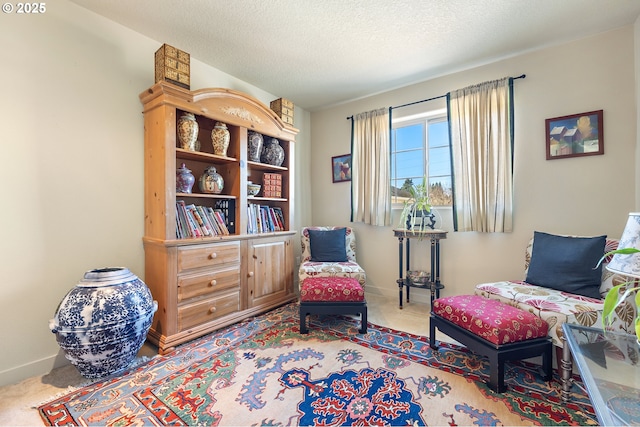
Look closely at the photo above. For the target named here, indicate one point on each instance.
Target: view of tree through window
(419, 150)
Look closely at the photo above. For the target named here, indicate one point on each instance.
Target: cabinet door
(270, 262)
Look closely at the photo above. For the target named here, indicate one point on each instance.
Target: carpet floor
(263, 372)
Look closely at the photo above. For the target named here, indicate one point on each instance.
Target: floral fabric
(557, 307)
(331, 289)
(350, 268)
(492, 320)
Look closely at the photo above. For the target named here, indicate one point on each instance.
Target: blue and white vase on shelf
(102, 322)
(254, 145)
(184, 179)
(272, 153)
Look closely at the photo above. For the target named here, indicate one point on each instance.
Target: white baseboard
(32, 369)
(422, 296)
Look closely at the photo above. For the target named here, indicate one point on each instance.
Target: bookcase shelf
(205, 196)
(257, 269)
(266, 199)
(181, 153)
(265, 167)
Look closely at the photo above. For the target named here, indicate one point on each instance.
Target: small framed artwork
(575, 135)
(341, 168)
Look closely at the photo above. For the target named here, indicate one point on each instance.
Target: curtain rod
(431, 99)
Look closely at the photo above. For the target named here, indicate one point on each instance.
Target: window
(419, 149)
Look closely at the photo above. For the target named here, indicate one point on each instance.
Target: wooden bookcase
(203, 284)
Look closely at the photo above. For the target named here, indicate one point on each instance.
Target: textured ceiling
(322, 52)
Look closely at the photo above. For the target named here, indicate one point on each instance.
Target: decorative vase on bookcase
(102, 322)
(188, 131)
(254, 145)
(220, 138)
(272, 153)
(184, 179)
(211, 181)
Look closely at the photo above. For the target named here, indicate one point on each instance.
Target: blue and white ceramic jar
(102, 322)
(254, 145)
(184, 179)
(272, 153)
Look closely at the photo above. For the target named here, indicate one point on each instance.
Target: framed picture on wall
(341, 168)
(575, 135)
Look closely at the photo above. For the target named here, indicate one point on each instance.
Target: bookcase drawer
(208, 282)
(206, 310)
(208, 255)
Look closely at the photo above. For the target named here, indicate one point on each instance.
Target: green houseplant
(416, 213)
(615, 297)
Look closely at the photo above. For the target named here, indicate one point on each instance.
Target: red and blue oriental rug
(262, 372)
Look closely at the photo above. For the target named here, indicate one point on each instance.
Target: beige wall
(72, 151)
(586, 196)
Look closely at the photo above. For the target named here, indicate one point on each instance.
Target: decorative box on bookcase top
(272, 185)
(284, 109)
(173, 65)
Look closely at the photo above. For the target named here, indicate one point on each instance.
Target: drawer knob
(251, 274)
(213, 255)
(213, 282)
(212, 310)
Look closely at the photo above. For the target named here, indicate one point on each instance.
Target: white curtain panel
(480, 119)
(370, 178)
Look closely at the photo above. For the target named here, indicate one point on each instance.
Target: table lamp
(628, 264)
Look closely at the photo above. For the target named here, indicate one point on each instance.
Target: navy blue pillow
(328, 245)
(567, 263)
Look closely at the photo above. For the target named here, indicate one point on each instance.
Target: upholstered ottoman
(492, 329)
(332, 295)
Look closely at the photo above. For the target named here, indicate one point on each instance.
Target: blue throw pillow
(328, 245)
(567, 263)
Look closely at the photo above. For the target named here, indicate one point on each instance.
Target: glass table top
(609, 364)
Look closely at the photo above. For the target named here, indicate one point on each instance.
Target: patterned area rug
(262, 372)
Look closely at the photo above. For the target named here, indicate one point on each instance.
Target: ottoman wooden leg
(303, 320)
(496, 374)
(432, 333)
(547, 363)
(363, 320)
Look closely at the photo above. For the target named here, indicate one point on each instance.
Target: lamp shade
(628, 264)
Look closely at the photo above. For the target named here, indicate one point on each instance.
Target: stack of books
(264, 219)
(194, 221)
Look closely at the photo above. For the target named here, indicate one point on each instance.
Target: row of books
(199, 221)
(264, 219)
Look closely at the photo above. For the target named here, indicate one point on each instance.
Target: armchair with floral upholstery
(349, 268)
(559, 305)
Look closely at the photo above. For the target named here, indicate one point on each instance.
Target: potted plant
(416, 213)
(615, 298)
